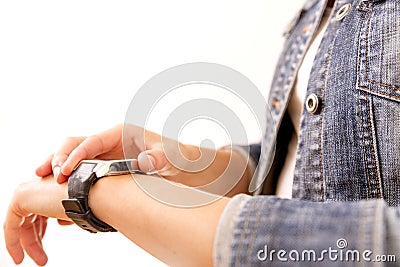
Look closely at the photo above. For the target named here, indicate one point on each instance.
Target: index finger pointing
(62, 155)
(93, 146)
(88, 149)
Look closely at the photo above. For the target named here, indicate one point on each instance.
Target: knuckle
(56, 161)
(119, 125)
(93, 137)
(97, 141)
(69, 139)
(21, 196)
(21, 189)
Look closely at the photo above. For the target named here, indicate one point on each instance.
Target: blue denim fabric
(266, 223)
(348, 151)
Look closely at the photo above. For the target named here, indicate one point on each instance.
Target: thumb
(155, 160)
(151, 160)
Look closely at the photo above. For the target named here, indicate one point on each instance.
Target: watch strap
(77, 207)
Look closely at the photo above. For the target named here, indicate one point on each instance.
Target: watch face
(109, 167)
(86, 168)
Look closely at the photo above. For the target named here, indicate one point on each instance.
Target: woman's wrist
(220, 165)
(105, 197)
(163, 230)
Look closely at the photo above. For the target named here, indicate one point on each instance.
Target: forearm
(177, 236)
(228, 165)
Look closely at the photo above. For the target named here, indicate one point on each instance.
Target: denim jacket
(346, 189)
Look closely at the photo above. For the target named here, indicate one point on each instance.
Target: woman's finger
(62, 155)
(93, 146)
(31, 241)
(64, 222)
(45, 168)
(42, 226)
(12, 229)
(155, 160)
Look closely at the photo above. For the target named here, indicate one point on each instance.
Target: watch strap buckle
(85, 220)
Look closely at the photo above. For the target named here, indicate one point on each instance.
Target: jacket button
(343, 11)
(312, 103)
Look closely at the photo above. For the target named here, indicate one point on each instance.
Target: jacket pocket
(379, 50)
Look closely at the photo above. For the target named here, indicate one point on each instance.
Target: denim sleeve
(254, 152)
(268, 231)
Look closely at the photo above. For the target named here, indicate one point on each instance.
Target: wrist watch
(82, 178)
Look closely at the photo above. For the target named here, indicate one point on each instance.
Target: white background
(72, 68)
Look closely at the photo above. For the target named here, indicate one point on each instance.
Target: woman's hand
(181, 163)
(146, 146)
(132, 212)
(106, 145)
(33, 202)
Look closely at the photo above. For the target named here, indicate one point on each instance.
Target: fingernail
(152, 161)
(34, 217)
(56, 171)
(22, 221)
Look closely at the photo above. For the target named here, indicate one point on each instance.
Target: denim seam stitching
(328, 59)
(366, 55)
(359, 111)
(374, 169)
(364, 88)
(327, 62)
(377, 176)
(364, 154)
(242, 234)
(253, 235)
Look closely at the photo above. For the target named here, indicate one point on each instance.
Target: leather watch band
(77, 207)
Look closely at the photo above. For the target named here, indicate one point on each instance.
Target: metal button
(343, 11)
(312, 103)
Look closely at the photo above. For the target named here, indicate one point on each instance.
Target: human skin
(150, 149)
(165, 231)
